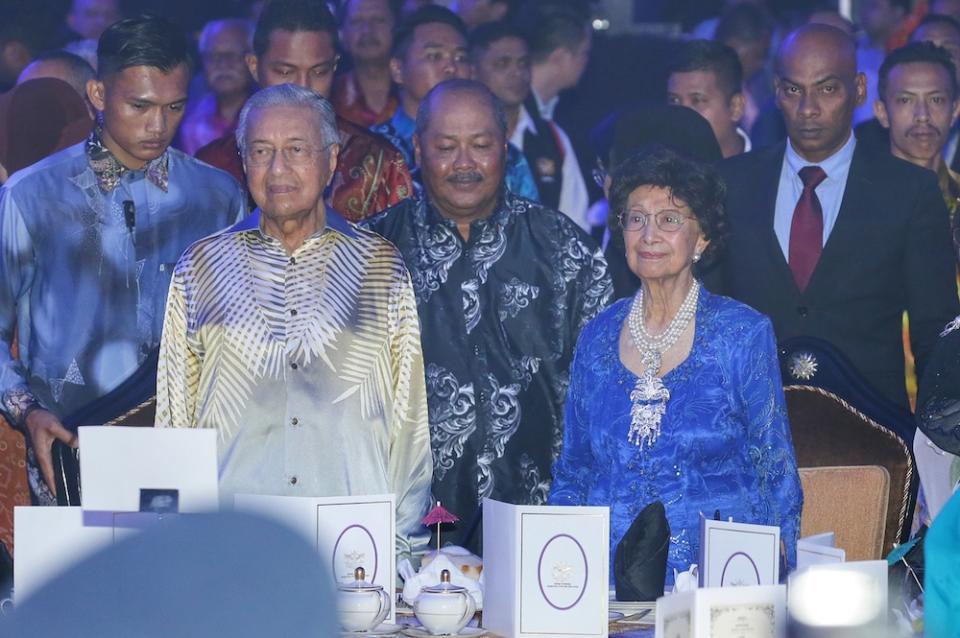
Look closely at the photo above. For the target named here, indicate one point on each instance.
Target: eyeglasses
(292, 154)
(669, 221)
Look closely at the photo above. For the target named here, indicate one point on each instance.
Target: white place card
(49, 540)
(348, 531)
(723, 612)
(819, 549)
(546, 570)
(840, 594)
(738, 554)
(121, 466)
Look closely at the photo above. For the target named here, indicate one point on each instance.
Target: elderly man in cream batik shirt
(295, 333)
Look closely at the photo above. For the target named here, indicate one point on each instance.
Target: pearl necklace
(649, 397)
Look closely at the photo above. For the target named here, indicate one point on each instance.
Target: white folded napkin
(430, 575)
(686, 581)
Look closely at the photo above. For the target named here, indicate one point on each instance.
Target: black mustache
(465, 178)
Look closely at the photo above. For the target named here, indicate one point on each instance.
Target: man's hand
(43, 428)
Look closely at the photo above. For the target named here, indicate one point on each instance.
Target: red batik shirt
(349, 102)
(370, 177)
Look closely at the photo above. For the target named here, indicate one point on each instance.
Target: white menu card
(723, 612)
(546, 570)
(348, 531)
(738, 554)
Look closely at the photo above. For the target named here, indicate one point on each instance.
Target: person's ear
(252, 64)
(396, 71)
(860, 89)
(606, 186)
(701, 247)
(956, 112)
(333, 154)
(737, 105)
(96, 93)
(880, 112)
(15, 55)
(558, 57)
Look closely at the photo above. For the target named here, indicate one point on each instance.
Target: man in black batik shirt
(503, 288)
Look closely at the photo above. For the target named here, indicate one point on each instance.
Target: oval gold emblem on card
(562, 572)
(354, 548)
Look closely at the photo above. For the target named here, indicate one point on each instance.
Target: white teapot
(446, 608)
(361, 606)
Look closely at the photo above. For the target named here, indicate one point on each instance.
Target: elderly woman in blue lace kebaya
(675, 394)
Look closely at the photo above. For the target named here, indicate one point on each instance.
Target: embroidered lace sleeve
(769, 442)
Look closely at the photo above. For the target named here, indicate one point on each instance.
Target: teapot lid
(358, 583)
(445, 586)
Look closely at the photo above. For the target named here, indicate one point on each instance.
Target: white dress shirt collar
(837, 163)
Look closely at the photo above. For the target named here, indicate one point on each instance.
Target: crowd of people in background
(475, 249)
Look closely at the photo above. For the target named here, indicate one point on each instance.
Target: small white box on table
(117, 465)
(546, 570)
(348, 531)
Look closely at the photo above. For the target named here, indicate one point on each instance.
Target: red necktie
(806, 229)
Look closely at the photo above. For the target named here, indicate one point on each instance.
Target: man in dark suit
(832, 241)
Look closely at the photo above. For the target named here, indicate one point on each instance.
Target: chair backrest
(850, 501)
(813, 361)
(827, 432)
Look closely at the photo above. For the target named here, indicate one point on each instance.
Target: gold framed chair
(851, 501)
(829, 432)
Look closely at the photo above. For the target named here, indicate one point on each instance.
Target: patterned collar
(334, 221)
(109, 170)
(507, 204)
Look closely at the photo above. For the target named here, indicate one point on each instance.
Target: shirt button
(293, 312)
(802, 311)
(476, 350)
(294, 365)
(293, 260)
(294, 421)
(293, 480)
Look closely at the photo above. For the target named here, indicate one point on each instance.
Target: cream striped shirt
(308, 364)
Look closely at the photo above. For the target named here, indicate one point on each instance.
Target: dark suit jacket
(889, 251)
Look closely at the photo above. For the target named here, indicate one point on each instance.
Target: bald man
(832, 241)
(503, 287)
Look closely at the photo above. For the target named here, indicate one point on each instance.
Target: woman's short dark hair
(147, 40)
(694, 183)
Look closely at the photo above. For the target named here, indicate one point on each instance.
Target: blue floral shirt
(724, 444)
(519, 178)
(87, 248)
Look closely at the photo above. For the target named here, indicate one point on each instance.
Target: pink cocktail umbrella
(436, 516)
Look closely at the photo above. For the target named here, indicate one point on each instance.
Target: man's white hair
(210, 29)
(290, 95)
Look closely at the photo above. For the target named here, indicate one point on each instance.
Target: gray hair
(289, 95)
(474, 87)
(211, 28)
